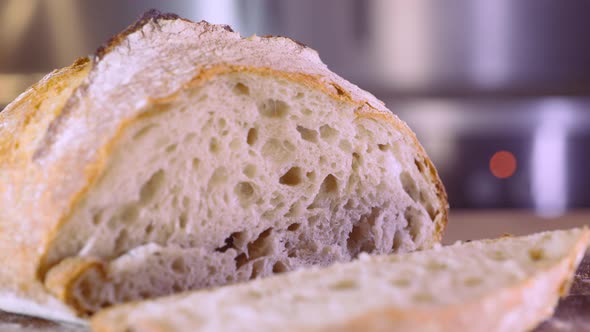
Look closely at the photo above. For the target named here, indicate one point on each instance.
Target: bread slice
(509, 284)
(183, 156)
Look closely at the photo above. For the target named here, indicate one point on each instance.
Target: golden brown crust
(29, 112)
(22, 124)
(60, 280)
(150, 15)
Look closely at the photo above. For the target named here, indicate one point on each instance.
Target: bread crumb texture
(477, 286)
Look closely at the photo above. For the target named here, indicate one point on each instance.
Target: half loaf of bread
(183, 156)
(504, 285)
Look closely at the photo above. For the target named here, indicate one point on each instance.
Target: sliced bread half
(183, 156)
(509, 284)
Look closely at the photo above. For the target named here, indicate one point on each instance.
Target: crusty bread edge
(19, 291)
(204, 76)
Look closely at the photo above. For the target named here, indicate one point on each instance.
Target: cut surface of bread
(189, 157)
(508, 284)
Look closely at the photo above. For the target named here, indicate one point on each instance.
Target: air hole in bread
(85, 288)
(436, 266)
(426, 202)
(306, 112)
(214, 146)
(419, 165)
(498, 255)
(150, 189)
(328, 189)
(292, 177)
(398, 240)
(171, 148)
(472, 281)
(289, 146)
(176, 288)
(313, 221)
(401, 282)
(228, 243)
(190, 137)
(249, 170)
(149, 228)
(262, 246)
(357, 239)
(97, 217)
(350, 204)
(310, 175)
(329, 185)
(308, 134)
(536, 254)
(179, 266)
(272, 108)
(344, 284)
(182, 220)
(129, 214)
(252, 136)
(241, 260)
(121, 241)
(221, 122)
(356, 161)
(279, 267)
(241, 89)
(338, 89)
(328, 133)
(143, 131)
(295, 210)
(245, 192)
(257, 269)
(203, 97)
(383, 147)
(422, 297)
(415, 219)
(409, 185)
(299, 95)
(293, 227)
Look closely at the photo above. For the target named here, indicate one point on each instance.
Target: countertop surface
(572, 313)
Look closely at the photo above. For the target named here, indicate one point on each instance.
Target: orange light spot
(503, 164)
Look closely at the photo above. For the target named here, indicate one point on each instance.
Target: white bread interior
(509, 284)
(242, 177)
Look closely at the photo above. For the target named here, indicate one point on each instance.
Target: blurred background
(497, 91)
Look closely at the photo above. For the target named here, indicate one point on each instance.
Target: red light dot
(503, 164)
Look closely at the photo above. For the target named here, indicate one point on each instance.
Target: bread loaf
(509, 284)
(183, 156)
